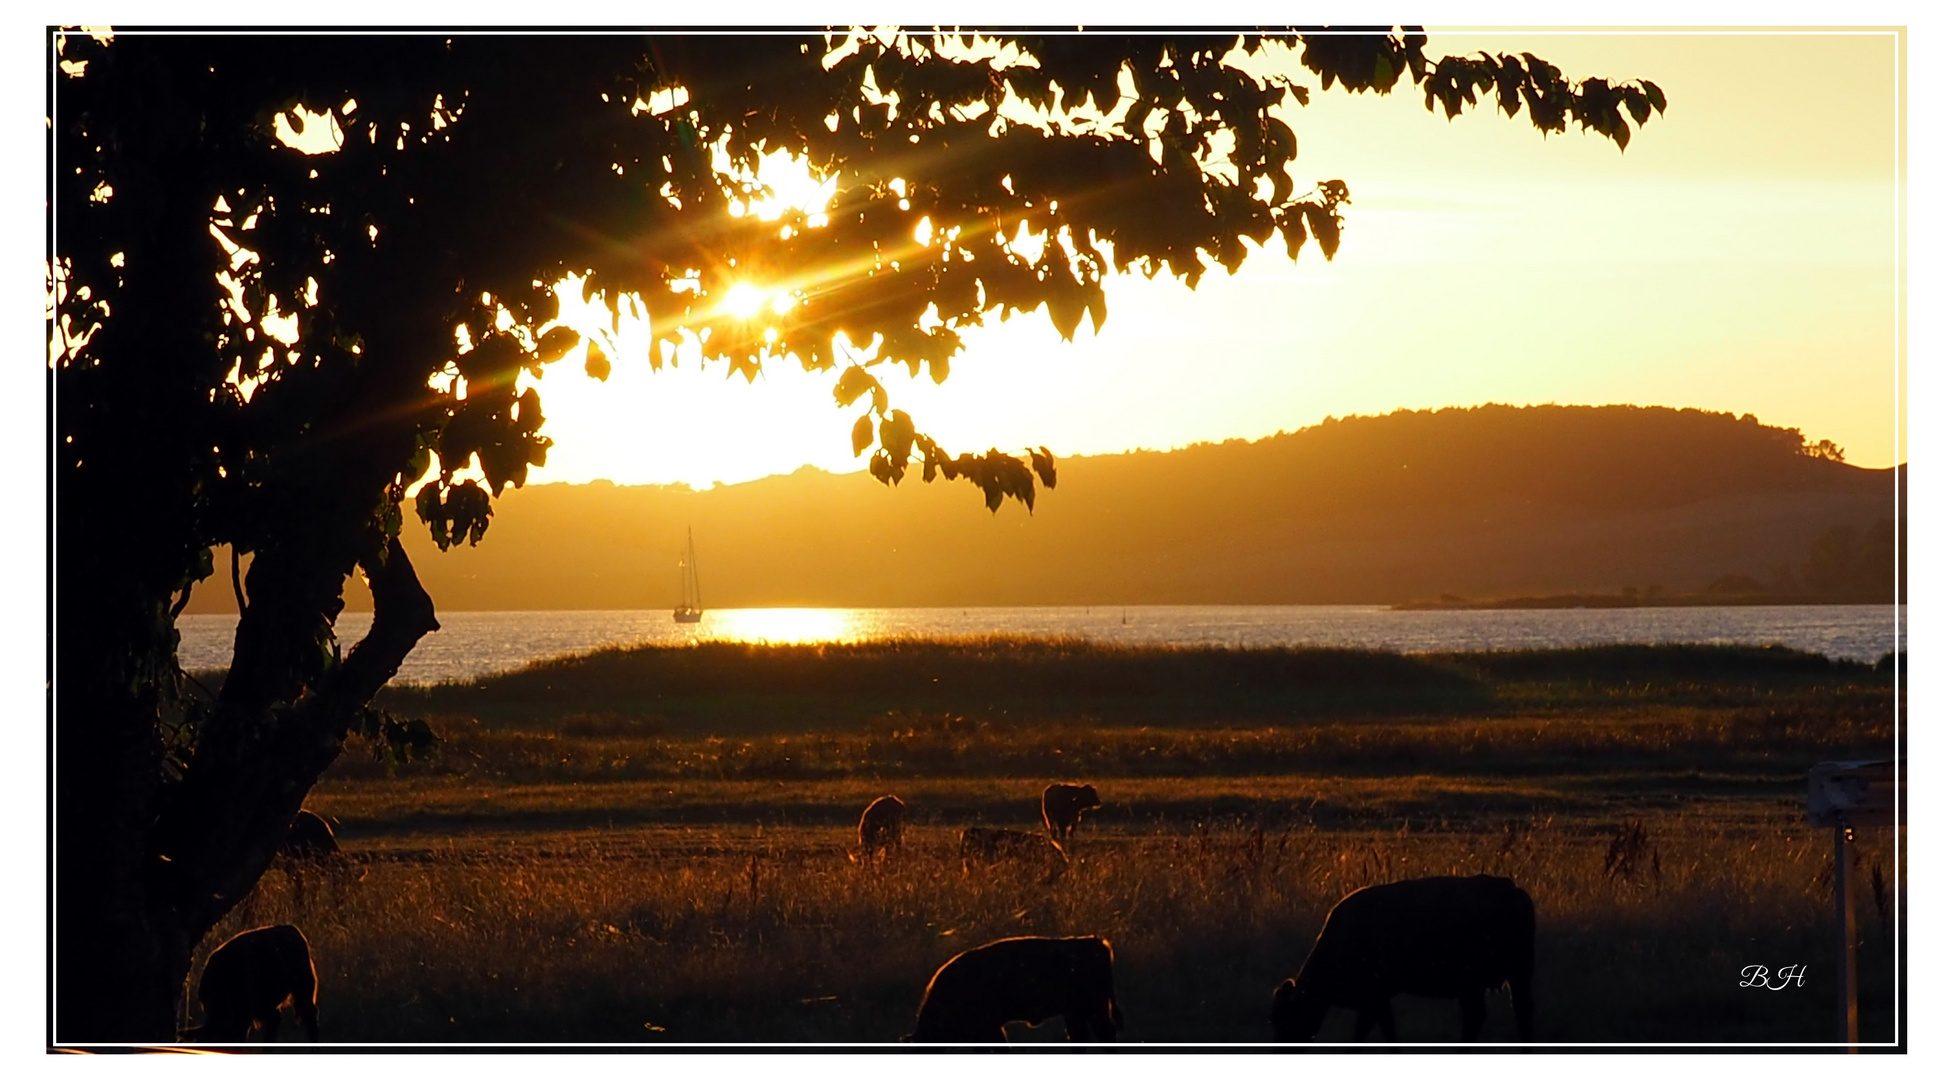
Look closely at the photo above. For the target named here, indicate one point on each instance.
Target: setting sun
(744, 301)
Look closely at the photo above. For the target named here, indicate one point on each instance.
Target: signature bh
(1758, 976)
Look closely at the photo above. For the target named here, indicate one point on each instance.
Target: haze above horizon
(1739, 257)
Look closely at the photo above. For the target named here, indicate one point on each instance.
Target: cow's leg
(305, 1001)
(308, 1017)
(1366, 1016)
(1522, 987)
(1472, 1015)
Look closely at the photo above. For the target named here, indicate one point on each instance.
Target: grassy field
(651, 847)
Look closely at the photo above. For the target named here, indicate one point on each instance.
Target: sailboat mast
(689, 608)
(691, 572)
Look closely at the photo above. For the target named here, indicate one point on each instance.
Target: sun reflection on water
(783, 626)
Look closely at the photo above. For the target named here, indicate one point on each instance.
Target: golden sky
(1741, 256)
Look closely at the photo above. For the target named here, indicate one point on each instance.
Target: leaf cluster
(1550, 98)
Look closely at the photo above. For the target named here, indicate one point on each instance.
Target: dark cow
(881, 828)
(1063, 804)
(310, 856)
(1022, 980)
(980, 846)
(309, 838)
(1444, 937)
(248, 978)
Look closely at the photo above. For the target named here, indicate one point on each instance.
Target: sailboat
(688, 609)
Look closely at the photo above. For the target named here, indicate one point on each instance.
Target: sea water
(475, 643)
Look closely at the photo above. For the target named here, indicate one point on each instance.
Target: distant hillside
(1484, 502)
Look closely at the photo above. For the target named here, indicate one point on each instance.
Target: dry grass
(773, 935)
(649, 846)
(1779, 738)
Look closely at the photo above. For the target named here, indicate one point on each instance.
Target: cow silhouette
(312, 861)
(1062, 805)
(1443, 937)
(309, 837)
(248, 977)
(881, 828)
(1025, 980)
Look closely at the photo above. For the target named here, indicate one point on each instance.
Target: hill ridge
(1485, 501)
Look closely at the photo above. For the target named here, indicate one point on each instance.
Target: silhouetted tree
(260, 348)
(1825, 450)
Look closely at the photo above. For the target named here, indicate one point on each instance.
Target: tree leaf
(898, 438)
(864, 433)
(1638, 105)
(1047, 469)
(556, 344)
(856, 381)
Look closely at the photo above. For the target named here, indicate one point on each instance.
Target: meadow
(653, 846)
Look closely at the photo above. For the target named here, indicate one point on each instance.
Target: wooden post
(1848, 965)
(1840, 794)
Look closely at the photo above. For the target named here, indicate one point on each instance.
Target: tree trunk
(117, 966)
(151, 850)
(142, 871)
(270, 741)
(125, 513)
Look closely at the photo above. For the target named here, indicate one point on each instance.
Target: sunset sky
(1740, 256)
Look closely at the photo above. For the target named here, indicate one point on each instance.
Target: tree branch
(248, 780)
(237, 586)
(403, 613)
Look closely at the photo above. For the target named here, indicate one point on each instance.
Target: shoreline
(1610, 601)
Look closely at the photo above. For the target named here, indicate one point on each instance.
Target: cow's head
(1296, 1014)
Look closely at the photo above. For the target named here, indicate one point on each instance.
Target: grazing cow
(310, 854)
(881, 828)
(986, 847)
(309, 838)
(1445, 937)
(1023, 980)
(248, 978)
(1063, 804)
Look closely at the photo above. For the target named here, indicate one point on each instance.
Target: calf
(1063, 804)
(1025, 980)
(248, 978)
(981, 846)
(881, 828)
(1444, 937)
